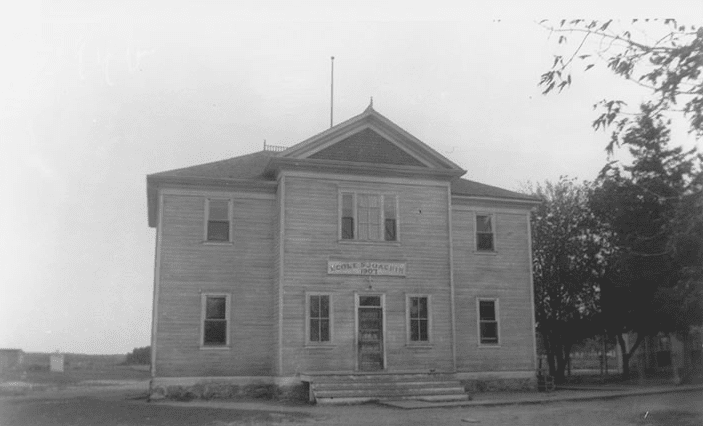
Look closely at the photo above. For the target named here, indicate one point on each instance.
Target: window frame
(496, 309)
(382, 216)
(228, 321)
(207, 220)
(408, 327)
(493, 233)
(308, 342)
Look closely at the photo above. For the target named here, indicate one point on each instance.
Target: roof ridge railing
(274, 148)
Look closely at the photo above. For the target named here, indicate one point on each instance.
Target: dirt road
(115, 407)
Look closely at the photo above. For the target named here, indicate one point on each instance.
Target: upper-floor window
(218, 213)
(484, 233)
(369, 217)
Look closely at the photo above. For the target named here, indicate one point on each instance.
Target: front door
(370, 337)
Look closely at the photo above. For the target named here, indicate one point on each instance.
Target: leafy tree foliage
(140, 356)
(568, 254)
(667, 64)
(653, 211)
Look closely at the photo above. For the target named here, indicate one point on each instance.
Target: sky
(96, 95)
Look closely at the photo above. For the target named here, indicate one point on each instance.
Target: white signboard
(341, 267)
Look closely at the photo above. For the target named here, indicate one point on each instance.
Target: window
(389, 215)
(218, 220)
(419, 319)
(215, 320)
(484, 233)
(368, 217)
(319, 319)
(347, 216)
(488, 321)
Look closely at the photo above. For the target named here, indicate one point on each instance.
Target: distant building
(670, 353)
(356, 252)
(10, 359)
(57, 362)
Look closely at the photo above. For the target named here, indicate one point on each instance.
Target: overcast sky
(94, 101)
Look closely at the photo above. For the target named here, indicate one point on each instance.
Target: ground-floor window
(215, 320)
(319, 318)
(488, 321)
(418, 309)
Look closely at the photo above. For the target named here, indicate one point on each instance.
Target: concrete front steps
(359, 388)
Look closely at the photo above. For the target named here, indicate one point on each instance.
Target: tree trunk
(549, 347)
(626, 355)
(552, 363)
(563, 354)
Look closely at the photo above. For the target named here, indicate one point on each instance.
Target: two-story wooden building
(358, 255)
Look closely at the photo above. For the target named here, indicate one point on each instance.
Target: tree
(567, 253)
(140, 356)
(667, 64)
(652, 209)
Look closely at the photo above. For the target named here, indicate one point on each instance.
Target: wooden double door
(370, 333)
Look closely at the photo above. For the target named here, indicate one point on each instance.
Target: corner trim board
(157, 281)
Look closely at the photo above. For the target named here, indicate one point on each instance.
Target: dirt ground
(124, 406)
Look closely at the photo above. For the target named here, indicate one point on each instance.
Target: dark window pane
(484, 242)
(315, 306)
(215, 332)
(489, 332)
(483, 224)
(414, 330)
(324, 306)
(324, 330)
(217, 231)
(487, 310)
(414, 309)
(216, 308)
(423, 307)
(423, 330)
(347, 228)
(370, 300)
(390, 231)
(219, 210)
(314, 330)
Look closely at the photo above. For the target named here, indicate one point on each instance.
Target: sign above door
(343, 267)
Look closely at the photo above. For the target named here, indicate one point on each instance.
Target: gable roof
(367, 146)
(388, 131)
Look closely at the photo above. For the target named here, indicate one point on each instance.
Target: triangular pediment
(367, 146)
(372, 139)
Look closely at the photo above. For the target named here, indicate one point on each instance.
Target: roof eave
(529, 201)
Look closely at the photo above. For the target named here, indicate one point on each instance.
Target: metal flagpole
(332, 95)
